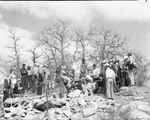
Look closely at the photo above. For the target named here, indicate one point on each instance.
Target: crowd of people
(32, 80)
(107, 78)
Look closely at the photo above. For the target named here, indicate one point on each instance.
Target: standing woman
(29, 70)
(24, 77)
(13, 80)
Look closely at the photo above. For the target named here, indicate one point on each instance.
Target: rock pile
(77, 106)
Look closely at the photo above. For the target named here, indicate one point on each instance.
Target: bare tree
(5, 66)
(15, 48)
(143, 67)
(107, 44)
(55, 39)
(82, 40)
(35, 54)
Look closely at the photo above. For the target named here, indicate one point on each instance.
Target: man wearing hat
(24, 77)
(103, 76)
(110, 77)
(125, 72)
(114, 68)
(118, 73)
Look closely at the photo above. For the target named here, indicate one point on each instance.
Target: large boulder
(137, 115)
(142, 106)
(136, 110)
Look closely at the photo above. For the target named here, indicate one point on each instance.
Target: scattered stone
(89, 111)
(77, 116)
(75, 94)
(138, 98)
(68, 113)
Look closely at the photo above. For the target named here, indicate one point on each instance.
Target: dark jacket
(7, 84)
(59, 80)
(23, 71)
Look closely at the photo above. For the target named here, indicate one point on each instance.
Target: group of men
(109, 77)
(32, 79)
(114, 74)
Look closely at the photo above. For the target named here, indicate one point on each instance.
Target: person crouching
(110, 76)
(88, 86)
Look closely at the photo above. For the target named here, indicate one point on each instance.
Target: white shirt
(131, 59)
(29, 72)
(110, 73)
(35, 70)
(89, 78)
(12, 77)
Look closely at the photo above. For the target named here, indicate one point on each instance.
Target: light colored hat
(107, 64)
(110, 60)
(125, 57)
(104, 61)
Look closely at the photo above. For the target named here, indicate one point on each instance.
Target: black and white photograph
(75, 60)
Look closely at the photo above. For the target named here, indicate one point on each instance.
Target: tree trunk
(62, 52)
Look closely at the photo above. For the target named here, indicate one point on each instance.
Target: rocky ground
(131, 103)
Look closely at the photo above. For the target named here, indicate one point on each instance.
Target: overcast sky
(27, 18)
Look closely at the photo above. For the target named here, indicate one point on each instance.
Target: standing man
(103, 76)
(124, 72)
(110, 77)
(6, 90)
(131, 67)
(83, 69)
(118, 78)
(114, 68)
(35, 78)
(40, 81)
(60, 82)
(24, 77)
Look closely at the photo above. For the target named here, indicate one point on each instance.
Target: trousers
(109, 88)
(131, 77)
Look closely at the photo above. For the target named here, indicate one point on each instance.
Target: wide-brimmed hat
(104, 62)
(125, 57)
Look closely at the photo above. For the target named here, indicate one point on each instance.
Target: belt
(109, 78)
